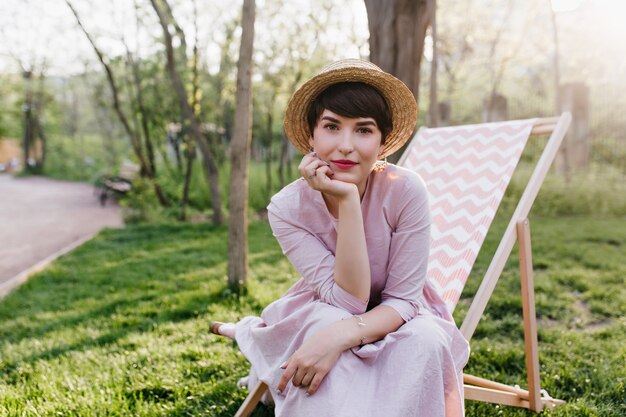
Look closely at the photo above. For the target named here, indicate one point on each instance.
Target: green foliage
(141, 204)
(11, 91)
(599, 191)
(610, 150)
(83, 158)
(121, 325)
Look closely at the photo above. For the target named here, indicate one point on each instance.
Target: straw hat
(397, 95)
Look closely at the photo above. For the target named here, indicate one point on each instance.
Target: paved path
(40, 218)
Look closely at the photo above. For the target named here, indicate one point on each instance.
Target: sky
(43, 32)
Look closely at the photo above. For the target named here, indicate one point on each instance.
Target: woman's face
(351, 146)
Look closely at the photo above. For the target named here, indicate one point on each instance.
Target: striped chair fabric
(466, 170)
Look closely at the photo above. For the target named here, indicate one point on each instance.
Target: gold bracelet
(361, 323)
(359, 320)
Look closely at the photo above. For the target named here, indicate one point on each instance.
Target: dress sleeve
(312, 259)
(408, 252)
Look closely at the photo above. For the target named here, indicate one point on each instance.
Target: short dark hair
(352, 99)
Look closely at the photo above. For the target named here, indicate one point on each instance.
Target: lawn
(121, 325)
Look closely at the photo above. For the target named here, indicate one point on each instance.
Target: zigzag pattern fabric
(466, 170)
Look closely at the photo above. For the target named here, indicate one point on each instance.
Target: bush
(82, 159)
(601, 191)
(142, 206)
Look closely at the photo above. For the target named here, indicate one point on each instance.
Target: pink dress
(414, 371)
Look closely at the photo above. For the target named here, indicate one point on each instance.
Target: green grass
(580, 265)
(121, 325)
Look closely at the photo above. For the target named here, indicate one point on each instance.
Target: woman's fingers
(317, 175)
(309, 170)
(298, 377)
(286, 376)
(324, 171)
(306, 380)
(310, 166)
(315, 383)
(306, 161)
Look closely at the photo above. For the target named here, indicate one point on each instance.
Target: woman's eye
(331, 126)
(364, 130)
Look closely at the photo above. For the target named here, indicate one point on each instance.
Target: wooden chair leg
(530, 317)
(252, 400)
(481, 389)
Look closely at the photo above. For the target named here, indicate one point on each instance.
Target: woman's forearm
(371, 327)
(352, 266)
(378, 323)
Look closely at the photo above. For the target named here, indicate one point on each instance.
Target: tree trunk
(495, 109)
(495, 106)
(190, 158)
(433, 108)
(284, 159)
(143, 116)
(44, 144)
(39, 136)
(27, 107)
(557, 72)
(574, 154)
(240, 154)
(445, 111)
(268, 163)
(397, 32)
(209, 164)
(190, 153)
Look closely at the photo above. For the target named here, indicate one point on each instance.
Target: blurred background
(85, 88)
(139, 99)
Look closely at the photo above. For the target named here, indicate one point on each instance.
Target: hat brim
(397, 95)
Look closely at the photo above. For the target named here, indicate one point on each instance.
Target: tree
(33, 69)
(190, 150)
(103, 116)
(433, 108)
(397, 33)
(557, 72)
(146, 168)
(240, 154)
(495, 107)
(293, 50)
(34, 138)
(163, 11)
(454, 47)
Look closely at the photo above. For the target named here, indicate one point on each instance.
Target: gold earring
(380, 165)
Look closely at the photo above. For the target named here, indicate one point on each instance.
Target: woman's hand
(308, 366)
(319, 177)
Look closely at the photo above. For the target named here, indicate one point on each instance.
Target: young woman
(362, 333)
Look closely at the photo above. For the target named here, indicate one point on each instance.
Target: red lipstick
(344, 163)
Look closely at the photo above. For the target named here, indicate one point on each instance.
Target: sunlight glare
(565, 5)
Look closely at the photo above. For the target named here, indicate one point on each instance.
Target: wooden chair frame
(518, 229)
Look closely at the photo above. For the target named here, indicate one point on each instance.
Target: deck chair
(467, 170)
